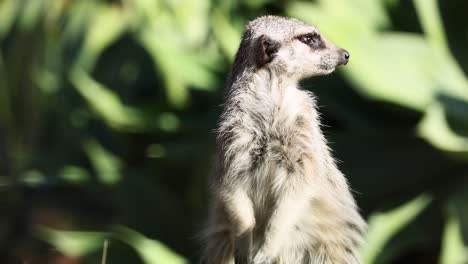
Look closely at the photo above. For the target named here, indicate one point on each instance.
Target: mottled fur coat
(277, 194)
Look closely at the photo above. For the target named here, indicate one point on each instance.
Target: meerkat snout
(345, 56)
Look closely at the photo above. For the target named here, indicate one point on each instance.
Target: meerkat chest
(280, 143)
(289, 104)
(286, 136)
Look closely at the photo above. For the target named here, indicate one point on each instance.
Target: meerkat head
(291, 46)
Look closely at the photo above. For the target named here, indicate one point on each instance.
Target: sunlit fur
(277, 194)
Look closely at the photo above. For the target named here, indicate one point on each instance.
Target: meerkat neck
(262, 82)
(273, 79)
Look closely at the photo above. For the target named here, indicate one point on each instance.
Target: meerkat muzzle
(344, 57)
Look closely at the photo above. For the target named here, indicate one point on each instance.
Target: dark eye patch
(312, 40)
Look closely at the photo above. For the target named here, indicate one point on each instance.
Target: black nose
(345, 56)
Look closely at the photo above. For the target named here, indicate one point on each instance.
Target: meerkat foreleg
(240, 213)
(292, 200)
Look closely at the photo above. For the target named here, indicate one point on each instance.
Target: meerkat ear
(265, 50)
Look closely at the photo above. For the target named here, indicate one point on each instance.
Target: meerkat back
(277, 195)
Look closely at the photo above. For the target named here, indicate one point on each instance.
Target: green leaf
(454, 251)
(193, 18)
(151, 251)
(375, 17)
(74, 174)
(429, 17)
(79, 15)
(176, 87)
(72, 243)
(107, 104)
(458, 204)
(32, 12)
(33, 178)
(180, 65)
(108, 24)
(406, 77)
(82, 243)
(383, 226)
(307, 11)
(391, 3)
(227, 35)
(256, 4)
(450, 76)
(434, 128)
(168, 122)
(8, 12)
(106, 164)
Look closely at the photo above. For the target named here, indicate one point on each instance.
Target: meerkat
(277, 194)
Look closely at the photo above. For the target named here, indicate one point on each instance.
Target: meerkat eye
(310, 39)
(306, 39)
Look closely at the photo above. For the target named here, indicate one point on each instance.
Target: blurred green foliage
(107, 110)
